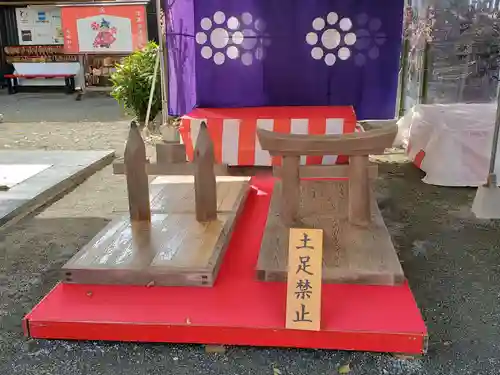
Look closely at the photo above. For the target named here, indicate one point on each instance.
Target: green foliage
(132, 83)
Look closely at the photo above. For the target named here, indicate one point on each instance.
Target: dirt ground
(58, 107)
(452, 262)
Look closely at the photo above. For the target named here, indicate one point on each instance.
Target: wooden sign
(305, 259)
(46, 59)
(34, 50)
(35, 53)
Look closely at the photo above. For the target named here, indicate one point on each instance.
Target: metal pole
(163, 67)
(492, 177)
(153, 87)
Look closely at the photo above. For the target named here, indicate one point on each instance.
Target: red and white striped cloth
(233, 131)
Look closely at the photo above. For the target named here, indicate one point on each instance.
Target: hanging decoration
(232, 53)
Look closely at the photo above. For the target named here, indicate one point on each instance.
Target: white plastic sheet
(456, 139)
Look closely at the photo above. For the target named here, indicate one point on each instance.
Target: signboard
(39, 26)
(104, 29)
(305, 259)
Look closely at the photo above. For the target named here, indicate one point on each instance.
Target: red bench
(13, 80)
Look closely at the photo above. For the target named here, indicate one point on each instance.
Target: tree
(132, 83)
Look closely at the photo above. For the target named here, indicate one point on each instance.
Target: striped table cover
(233, 131)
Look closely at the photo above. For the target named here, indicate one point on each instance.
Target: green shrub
(132, 83)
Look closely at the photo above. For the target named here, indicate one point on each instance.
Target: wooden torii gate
(356, 145)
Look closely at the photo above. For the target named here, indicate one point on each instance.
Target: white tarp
(456, 139)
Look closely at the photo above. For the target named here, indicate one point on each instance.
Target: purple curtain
(244, 53)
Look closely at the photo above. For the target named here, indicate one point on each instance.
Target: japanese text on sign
(305, 255)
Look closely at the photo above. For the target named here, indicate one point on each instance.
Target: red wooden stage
(238, 310)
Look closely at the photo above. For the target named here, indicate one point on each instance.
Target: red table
(234, 130)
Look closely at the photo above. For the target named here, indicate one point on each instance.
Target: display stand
(234, 308)
(97, 79)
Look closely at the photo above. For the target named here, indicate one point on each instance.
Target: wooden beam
(170, 169)
(205, 188)
(170, 152)
(359, 191)
(290, 189)
(328, 171)
(305, 171)
(187, 169)
(367, 143)
(137, 178)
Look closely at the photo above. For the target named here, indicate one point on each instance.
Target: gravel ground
(451, 260)
(58, 107)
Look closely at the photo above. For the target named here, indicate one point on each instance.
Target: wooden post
(204, 177)
(142, 241)
(170, 152)
(290, 189)
(137, 178)
(359, 191)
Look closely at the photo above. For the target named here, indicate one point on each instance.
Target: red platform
(238, 310)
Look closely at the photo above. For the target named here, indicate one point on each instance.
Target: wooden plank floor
(174, 249)
(176, 193)
(351, 254)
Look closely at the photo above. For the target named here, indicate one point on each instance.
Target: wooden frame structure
(179, 243)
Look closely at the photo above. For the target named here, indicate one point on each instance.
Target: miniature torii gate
(356, 145)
